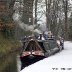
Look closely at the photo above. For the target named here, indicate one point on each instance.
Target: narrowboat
(35, 49)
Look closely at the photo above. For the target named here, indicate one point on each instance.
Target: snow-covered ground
(60, 62)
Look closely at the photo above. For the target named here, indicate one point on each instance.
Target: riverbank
(8, 46)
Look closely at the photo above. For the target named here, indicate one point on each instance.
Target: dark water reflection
(9, 63)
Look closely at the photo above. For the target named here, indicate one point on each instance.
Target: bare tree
(36, 1)
(28, 12)
(48, 9)
(65, 5)
(52, 9)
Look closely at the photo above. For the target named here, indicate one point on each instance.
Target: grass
(8, 45)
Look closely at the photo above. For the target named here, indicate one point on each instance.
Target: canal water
(10, 63)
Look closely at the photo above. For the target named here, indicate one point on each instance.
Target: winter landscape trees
(57, 17)
(51, 14)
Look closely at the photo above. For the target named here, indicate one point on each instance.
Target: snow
(60, 62)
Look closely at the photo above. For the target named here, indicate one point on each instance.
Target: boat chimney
(40, 36)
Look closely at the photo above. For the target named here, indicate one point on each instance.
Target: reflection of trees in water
(8, 64)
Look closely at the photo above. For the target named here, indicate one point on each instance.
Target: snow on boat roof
(60, 62)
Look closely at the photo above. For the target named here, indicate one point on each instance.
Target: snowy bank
(60, 62)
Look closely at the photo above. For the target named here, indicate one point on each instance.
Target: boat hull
(28, 60)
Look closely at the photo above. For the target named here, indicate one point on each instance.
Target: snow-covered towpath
(60, 62)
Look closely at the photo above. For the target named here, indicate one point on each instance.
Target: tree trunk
(28, 12)
(36, 11)
(48, 16)
(66, 19)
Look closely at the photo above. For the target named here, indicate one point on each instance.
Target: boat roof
(26, 39)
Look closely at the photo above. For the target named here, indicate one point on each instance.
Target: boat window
(42, 46)
(46, 45)
(50, 44)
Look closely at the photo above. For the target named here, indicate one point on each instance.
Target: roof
(32, 44)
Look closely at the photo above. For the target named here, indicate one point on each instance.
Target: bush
(8, 31)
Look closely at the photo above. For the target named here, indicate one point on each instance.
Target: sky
(60, 62)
